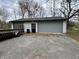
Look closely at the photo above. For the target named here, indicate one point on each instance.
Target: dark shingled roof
(40, 19)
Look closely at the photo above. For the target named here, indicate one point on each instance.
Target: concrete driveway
(40, 46)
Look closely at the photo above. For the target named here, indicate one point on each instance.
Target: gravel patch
(37, 46)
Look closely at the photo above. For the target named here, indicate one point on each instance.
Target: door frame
(33, 27)
(36, 26)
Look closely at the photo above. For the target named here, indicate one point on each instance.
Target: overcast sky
(12, 4)
(9, 5)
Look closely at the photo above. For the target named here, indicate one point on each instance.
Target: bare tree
(23, 7)
(38, 10)
(54, 7)
(27, 6)
(41, 12)
(14, 13)
(67, 10)
(3, 13)
(31, 7)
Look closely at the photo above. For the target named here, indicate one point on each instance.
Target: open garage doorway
(33, 27)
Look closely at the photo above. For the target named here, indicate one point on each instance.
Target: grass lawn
(73, 32)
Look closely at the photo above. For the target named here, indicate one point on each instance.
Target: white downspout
(64, 26)
(12, 26)
(36, 27)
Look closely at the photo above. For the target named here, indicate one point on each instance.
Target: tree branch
(73, 13)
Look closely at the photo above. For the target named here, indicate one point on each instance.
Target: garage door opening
(33, 27)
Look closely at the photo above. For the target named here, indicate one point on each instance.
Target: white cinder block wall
(27, 26)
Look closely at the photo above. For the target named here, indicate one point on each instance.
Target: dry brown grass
(73, 32)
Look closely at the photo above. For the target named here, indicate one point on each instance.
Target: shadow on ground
(9, 38)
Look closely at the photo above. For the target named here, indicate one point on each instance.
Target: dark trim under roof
(40, 19)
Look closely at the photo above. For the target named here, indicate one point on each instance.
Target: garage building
(45, 24)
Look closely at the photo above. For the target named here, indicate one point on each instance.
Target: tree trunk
(67, 24)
